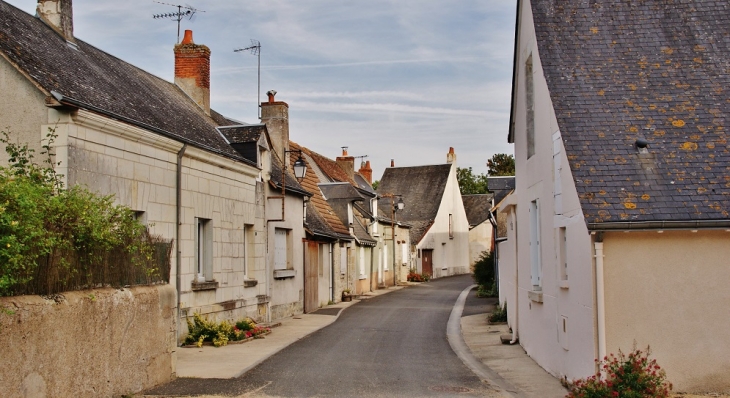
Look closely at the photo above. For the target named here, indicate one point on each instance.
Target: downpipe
(600, 298)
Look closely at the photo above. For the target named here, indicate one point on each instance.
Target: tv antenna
(182, 12)
(255, 49)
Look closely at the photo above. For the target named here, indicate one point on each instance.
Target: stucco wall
(669, 291)
(557, 330)
(93, 343)
(480, 240)
(23, 112)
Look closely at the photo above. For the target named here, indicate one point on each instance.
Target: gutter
(655, 225)
(79, 104)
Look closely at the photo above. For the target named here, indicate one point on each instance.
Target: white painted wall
(546, 177)
(480, 240)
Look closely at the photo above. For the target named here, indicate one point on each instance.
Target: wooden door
(311, 280)
(427, 262)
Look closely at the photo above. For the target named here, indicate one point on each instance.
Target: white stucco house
(481, 229)
(439, 233)
(155, 145)
(618, 231)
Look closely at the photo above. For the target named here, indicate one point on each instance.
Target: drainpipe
(515, 334)
(178, 212)
(332, 274)
(372, 257)
(600, 296)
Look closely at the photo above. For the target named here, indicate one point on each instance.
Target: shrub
(484, 270)
(624, 376)
(414, 276)
(54, 239)
(202, 330)
(499, 314)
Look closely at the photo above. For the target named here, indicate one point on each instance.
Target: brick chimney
(192, 70)
(451, 156)
(392, 162)
(366, 171)
(58, 14)
(275, 115)
(346, 163)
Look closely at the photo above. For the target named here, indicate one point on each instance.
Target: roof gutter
(658, 225)
(511, 134)
(79, 104)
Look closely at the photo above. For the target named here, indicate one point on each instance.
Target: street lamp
(300, 170)
(396, 206)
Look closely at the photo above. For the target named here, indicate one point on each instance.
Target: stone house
(619, 227)
(439, 229)
(153, 144)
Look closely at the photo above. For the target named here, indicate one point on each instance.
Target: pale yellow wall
(670, 291)
(480, 240)
(22, 109)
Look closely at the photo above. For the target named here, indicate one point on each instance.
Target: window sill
(535, 295)
(362, 277)
(250, 282)
(201, 286)
(284, 273)
(564, 284)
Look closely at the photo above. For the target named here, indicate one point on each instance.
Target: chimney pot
(451, 156)
(392, 162)
(188, 38)
(271, 94)
(366, 171)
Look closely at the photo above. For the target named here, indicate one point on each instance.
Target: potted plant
(346, 296)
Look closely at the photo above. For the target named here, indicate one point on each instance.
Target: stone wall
(91, 343)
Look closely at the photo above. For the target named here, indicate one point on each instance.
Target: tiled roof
(321, 218)
(331, 169)
(422, 188)
(477, 207)
(90, 78)
(656, 70)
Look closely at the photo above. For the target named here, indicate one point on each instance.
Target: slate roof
(501, 187)
(477, 208)
(339, 195)
(239, 134)
(321, 218)
(658, 70)
(421, 188)
(89, 78)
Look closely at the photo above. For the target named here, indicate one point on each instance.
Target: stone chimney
(366, 171)
(58, 14)
(275, 115)
(451, 156)
(192, 70)
(346, 163)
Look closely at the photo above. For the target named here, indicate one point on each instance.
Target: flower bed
(201, 332)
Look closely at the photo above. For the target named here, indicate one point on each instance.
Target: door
(311, 273)
(427, 261)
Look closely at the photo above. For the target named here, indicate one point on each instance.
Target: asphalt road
(390, 345)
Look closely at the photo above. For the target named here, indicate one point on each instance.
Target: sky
(390, 79)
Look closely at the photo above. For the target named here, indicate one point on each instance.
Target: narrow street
(391, 345)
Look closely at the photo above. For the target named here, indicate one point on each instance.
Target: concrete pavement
(502, 365)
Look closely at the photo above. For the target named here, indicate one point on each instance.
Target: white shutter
(280, 249)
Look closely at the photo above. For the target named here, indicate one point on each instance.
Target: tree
(501, 164)
(470, 184)
(376, 183)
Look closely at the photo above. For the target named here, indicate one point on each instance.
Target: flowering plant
(624, 376)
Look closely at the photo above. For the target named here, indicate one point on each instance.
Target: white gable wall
(450, 254)
(555, 320)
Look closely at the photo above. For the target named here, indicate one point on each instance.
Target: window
(536, 268)
(140, 216)
(563, 255)
(361, 262)
(404, 253)
(530, 107)
(451, 226)
(282, 249)
(249, 249)
(204, 249)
